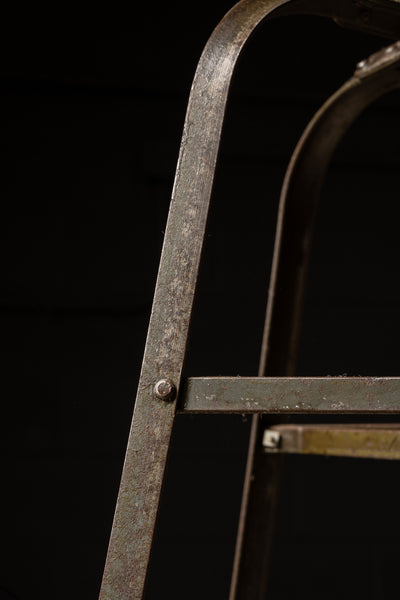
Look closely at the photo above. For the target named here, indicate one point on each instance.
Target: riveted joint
(165, 390)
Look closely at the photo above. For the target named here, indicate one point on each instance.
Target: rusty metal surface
(292, 395)
(145, 461)
(377, 441)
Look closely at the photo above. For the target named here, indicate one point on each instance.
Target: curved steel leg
(146, 455)
(137, 505)
(373, 78)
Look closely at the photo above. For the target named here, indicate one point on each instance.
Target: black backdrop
(92, 109)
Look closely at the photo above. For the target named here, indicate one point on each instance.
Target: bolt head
(271, 439)
(165, 390)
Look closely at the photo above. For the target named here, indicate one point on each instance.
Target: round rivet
(164, 389)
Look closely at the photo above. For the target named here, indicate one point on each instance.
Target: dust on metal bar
(291, 395)
(380, 441)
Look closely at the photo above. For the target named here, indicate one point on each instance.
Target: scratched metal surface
(145, 461)
(292, 395)
(137, 505)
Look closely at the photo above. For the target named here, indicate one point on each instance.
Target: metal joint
(165, 390)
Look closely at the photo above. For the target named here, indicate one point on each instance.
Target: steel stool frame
(159, 394)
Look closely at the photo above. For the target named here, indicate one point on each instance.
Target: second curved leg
(299, 199)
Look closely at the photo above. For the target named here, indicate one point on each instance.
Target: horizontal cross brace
(291, 395)
(355, 441)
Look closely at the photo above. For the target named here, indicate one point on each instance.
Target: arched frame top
(373, 78)
(198, 156)
(145, 460)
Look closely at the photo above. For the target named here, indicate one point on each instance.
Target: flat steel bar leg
(155, 407)
(138, 500)
(301, 189)
(257, 519)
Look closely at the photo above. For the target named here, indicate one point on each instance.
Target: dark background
(91, 115)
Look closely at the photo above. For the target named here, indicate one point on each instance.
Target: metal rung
(356, 441)
(293, 395)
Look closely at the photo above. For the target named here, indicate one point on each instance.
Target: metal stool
(160, 392)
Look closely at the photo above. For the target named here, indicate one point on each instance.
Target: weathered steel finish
(145, 461)
(379, 441)
(292, 395)
(146, 456)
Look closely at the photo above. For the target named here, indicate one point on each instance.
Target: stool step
(381, 441)
(291, 395)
